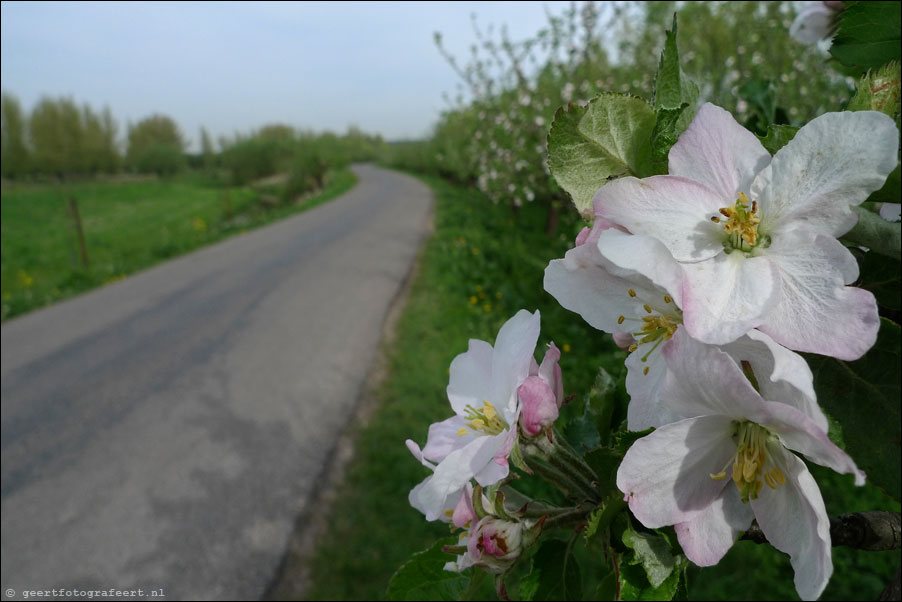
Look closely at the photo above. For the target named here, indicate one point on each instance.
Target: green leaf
(761, 94)
(424, 578)
(653, 553)
(673, 88)
(607, 139)
(891, 192)
(868, 34)
(554, 574)
(604, 461)
(875, 233)
(864, 396)
(881, 276)
(879, 91)
(667, 131)
(634, 585)
(777, 136)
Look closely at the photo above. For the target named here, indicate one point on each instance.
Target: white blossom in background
(816, 21)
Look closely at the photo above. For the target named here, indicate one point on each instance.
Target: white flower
(755, 235)
(477, 441)
(630, 286)
(681, 474)
(815, 22)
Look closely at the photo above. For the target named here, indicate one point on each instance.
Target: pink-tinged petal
(643, 255)
(582, 283)
(470, 377)
(703, 380)
(538, 406)
(710, 534)
(836, 160)
(675, 210)
(718, 152)
(666, 475)
(589, 236)
(816, 312)
(727, 296)
(418, 454)
(799, 433)
(464, 511)
(794, 520)
(645, 409)
(623, 339)
(550, 370)
(443, 438)
(782, 375)
(512, 356)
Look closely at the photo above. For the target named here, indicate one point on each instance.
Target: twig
(875, 530)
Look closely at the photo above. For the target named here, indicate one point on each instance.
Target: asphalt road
(165, 431)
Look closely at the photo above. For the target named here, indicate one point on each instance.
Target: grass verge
(128, 226)
(481, 266)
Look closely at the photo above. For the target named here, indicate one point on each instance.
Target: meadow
(129, 224)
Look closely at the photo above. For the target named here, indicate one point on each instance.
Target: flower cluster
(712, 276)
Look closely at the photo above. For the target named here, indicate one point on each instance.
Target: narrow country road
(164, 432)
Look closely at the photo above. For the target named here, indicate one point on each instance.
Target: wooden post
(76, 219)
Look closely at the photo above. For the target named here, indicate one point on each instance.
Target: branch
(893, 590)
(876, 530)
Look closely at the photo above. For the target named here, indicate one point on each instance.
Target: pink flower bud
(539, 407)
(495, 544)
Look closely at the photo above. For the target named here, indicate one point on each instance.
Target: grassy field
(480, 267)
(128, 226)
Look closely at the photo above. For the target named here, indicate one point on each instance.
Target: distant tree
(58, 137)
(155, 145)
(101, 154)
(12, 145)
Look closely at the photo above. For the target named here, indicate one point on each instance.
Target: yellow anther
(726, 212)
(489, 410)
(645, 370)
(462, 431)
(668, 299)
(720, 476)
(770, 481)
(742, 222)
(647, 308)
(778, 476)
(449, 513)
(715, 219)
(477, 424)
(633, 347)
(631, 292)
(621, 319)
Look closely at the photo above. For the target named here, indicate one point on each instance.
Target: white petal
(666, 475)
(674, 210)
(835, 161)
(470, 377)
(816, 312)
(422, 498)
(794, 520)
(813, 23)
(703, 380)
(645, 409)
(891, 212)
(711, 533)
(782, 375)
(797, 432)
(645, 256)
(512, 356)
(725, 297)
(719, 153)
(443, 438)
(582, 283)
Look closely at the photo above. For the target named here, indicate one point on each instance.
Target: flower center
(657, 327)
(485, 419)
(741, 224)
(750, 462)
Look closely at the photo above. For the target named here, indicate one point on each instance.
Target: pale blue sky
(236, 66)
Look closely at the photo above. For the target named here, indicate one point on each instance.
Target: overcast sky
(236, 66)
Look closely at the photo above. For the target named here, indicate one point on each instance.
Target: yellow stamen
(750, 461)
(621, 319)
(645, 370)
(477, 424)
(742, 222)
(633, 347)
(631, 292)
(668, 299)
(462, 431)
(720, 476)
(647, 308)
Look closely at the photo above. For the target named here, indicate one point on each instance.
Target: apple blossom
(678, 475)
(816, 21)
(755, 235)
(483, 391)
(601, 280)
(541, 394)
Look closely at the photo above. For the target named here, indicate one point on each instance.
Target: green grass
(128, 226)
(481, 266)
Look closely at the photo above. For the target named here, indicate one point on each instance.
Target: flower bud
(539, 407)
(495, 544)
